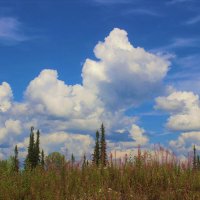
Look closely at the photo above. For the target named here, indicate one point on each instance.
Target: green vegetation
(156, 175)
(103, 154)
(96, 154)
(33, 156)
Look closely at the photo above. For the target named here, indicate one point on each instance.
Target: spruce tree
(103, 155)
(72, 159)
(16, 160)
(30, 156)
(198, 162)
(96, 154)
(84, 162)
(194, 158)
(33, 156)
(42, 159)
(37, 150)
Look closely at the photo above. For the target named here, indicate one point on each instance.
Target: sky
(68, 66)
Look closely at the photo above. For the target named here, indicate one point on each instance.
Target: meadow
(157, 175)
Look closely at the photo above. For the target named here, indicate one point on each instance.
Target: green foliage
(42, 159)
(132, 181)
(7, 166)
(55, 160)
(16, 160)
(100, 155)
(194, 158)
(103, 153)
(37, 149)
(84, 164)
(72, 159)
(29, 162)
(96, 154)
(145, 176)
(33, 157)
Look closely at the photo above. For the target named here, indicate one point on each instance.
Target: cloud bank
(121, 77)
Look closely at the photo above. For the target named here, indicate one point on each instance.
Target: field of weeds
(143, 177)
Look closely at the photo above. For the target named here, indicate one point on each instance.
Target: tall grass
(146, 176)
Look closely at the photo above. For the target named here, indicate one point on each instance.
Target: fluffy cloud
(138, 138)
(137, 134)
(52, 96)
(110, 85)
(184, 110)
(5, 97)
(185, 142)
(11, 128)
(72, 143)
(123, 76)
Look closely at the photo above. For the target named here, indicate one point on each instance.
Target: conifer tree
(194, 158)
(42, 159)
(84, 162)
(72, 159)
(103, 155)
(37, 150)
(16, 160)
(96, 154)
(30, 156)
(198, 162)
(33, 156)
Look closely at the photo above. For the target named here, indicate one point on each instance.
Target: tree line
(35, 157)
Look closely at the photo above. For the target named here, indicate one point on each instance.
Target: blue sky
(142, 81)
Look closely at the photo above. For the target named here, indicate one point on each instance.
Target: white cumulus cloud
(138, 135)
(5, 97)
(122, 76)
(185, 142)
(184, 110)
(51, 95)
(11, 128)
